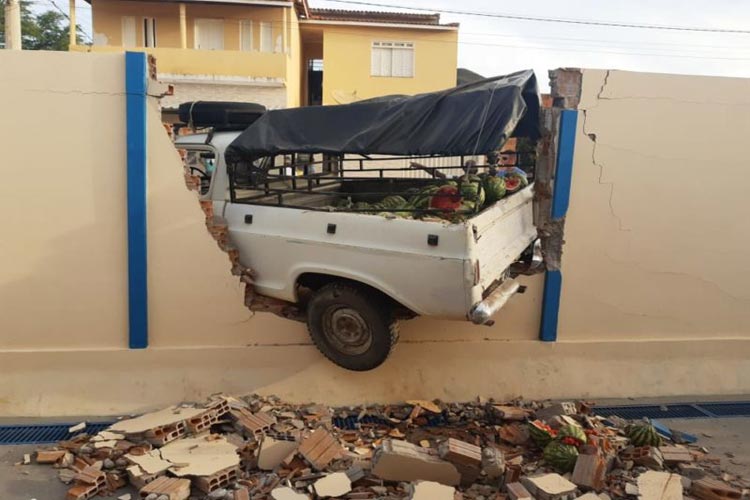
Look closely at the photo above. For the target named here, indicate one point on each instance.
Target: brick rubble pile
(262, 448)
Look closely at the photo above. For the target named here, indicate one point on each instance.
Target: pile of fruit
(449, 199)
(561, 446)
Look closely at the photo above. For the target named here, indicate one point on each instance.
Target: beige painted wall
(656, 240)
(63, 251)
(63, 326)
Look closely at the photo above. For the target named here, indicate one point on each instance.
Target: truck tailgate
(501, 234)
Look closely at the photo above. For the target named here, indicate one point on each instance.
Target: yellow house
(280, 53)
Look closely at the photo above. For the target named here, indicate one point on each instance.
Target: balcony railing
(218, 63)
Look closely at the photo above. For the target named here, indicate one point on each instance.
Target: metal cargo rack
(359, 178)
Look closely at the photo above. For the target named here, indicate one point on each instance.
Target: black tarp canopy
(476, 118)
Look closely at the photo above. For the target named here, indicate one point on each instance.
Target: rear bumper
(483, 311)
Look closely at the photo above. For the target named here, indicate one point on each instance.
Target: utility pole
(73, 27)
(13, 24)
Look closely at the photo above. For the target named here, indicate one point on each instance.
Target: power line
(556, 48)
(69, 21)
(516, 17)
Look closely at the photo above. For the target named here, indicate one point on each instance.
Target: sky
(492, 46)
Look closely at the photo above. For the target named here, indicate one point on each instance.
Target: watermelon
(572, 435)
(560, 456)
(361, 205)
(514, 182)
(447, 199)
(643, 434)
(422, 198)
(393, 201)
(344, 203)
(541, 433)
(473, 192)
(495, 188)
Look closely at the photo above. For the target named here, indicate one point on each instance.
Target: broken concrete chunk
(429, 490)
(647, 456)
(712, 489)
(172, 488)
(333, 485)
(549, 487)
(402, 461)
(166, 417)
(565, 408)
(426, 405)
(653, 485)
(77, 428)
(516, 491)
(693, 472)
(150, 463)
(253, 424)
(273, 452)
(589, 496)
(510, 412)
(108, 436)
(631, 489)
(201, 456)
(320, 448)
(286, 493)
(465, 456)
(590, 472)
(241, 494)
(493, 462)
(217, 480)
(49, 456)
(674, 455)
(514, 433)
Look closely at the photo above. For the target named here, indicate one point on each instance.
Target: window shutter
(266, 37)
(377, 54)
(128, 31)
(246, 35)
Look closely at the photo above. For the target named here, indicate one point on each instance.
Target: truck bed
(427, 266)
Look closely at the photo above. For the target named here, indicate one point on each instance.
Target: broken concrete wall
(63, 284)
(655, 236)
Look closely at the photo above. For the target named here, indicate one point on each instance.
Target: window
(209, 34)
(246, 35)
(266, 37)
(392, 59)
(149, 32)
(128, 31)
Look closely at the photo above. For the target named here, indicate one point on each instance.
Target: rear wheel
(351, 326)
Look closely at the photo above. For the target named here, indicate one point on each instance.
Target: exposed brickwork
(220, 479)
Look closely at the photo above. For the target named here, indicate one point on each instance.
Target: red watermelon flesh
(512, 183)
(447, 198)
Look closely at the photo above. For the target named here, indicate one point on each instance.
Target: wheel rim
(346, 330)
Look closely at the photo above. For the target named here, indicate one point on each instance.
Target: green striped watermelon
(541, 434)
(643, 434)
(572, 435)
(560, 456)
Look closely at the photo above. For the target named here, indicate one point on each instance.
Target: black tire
(352, 327)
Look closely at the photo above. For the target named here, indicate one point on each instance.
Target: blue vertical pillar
(560, 203)
(136, 83)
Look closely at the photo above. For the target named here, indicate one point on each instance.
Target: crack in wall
(592, 137)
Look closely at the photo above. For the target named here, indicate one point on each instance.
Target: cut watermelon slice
(513, 183)
(447, 199)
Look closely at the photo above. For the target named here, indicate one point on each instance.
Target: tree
(45, 31)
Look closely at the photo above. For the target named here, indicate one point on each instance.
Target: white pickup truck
(311, 243)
